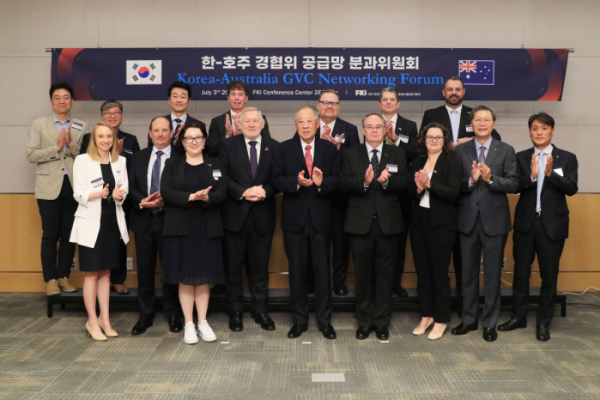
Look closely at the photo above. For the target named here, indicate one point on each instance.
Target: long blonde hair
(92, 150)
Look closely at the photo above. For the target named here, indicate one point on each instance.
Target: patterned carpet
(52, 358)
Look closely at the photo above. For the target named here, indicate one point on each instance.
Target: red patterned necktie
(326, 131)
(308, 159)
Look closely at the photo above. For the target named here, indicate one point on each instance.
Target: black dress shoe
(382, 332)
(362, 332)
(490, 334)
(235, 322)
(463, 328)
(297, 330)
(340, 289)
(143, 323)
(328, 331)
(512, 324)
(175, 324)
(217, 290)
(399, 291)
(265, 321)
(542, 332)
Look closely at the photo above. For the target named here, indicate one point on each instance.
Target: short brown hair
(92, 150)
(179, 141)
(238, 85)
(448, 147)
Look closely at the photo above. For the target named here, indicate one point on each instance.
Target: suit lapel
(264, 158)
(492, 152)
(146, 164)
(440, 165)
(385, 154)
(364, 156)
(472, 150)
(299, 150)
(242, 153)
(52, 131)
(319, 149)
(337, 129)
(464, 121)
(445, 118)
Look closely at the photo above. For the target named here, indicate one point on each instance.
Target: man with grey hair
(111, 112)
(306, 169)
(489, 170)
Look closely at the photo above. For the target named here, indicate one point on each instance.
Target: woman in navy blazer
(100, 187)
(436, 187)
(193, 187)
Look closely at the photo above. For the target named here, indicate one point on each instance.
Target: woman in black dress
(193, 188)
(435, 189)
(100, 187)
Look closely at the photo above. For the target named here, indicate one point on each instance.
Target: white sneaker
(190, 337)
(206, 333)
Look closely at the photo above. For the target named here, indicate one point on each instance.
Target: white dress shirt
(425, 199)
(331, 125)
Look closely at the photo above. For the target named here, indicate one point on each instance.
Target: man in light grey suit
(489, 172)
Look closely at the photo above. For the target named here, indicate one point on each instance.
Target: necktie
(540, 180)
(482, 155)
(454, 122)
(326, 131)
(155, 182)
(375, 161)
(253, 157)
(177, 127)
(309, 160)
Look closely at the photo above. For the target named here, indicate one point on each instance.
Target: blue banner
(302, 73)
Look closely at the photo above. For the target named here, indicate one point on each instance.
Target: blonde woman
(100, 188)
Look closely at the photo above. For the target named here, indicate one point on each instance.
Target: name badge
(469, 128)
(217, 174)
(392, 168)
(98, 182)
(77, 126)
(559, 171)
(127, 151)
(343, 139)
(403, 138)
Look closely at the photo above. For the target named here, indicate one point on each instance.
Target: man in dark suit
(306, 169)
(456, 117)
(403, 133)
(147, 221)
(546, 175)
(229, 123)
(111, 112)
(180, 97)
(248, 217)
(374, 174)
(488, 173)
(344, 135)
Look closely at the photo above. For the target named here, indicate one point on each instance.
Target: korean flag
(144, 72)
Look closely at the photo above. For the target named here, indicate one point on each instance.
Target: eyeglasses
(330, 103)
(59, 98)
(373, 128)
(189, 139)
(434, 138)
(113, 114)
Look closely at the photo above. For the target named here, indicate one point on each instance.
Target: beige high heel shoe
(419, 332)
(112, 333)
(99, 338)
(435, 336)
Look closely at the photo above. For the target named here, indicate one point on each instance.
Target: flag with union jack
(476, 72)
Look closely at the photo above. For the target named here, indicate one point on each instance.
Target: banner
(302, 73)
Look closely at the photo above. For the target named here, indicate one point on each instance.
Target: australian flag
(476, 72)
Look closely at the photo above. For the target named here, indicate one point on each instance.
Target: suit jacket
(406, 127)
(87, 217)
(363, 204)
(176, 196)
(302, 203)
(138, 189)
(488, 200)
(188, 121)
(440, 115)
(350, 132)
(236, 165)
(130, 144)
(51, 164)
(443, 192)
(555, 213)
(217, 134)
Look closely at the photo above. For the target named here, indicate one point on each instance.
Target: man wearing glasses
(343, 134)
(373, 175)
(111, 112)
(53, 143)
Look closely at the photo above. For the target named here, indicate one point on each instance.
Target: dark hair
(180, 85)
(110, 103)
(448, 147)
(179, 142)
(332, 91)
(60, 85)
(238, 85)
(543, 118)
(483, 107)
(391, 90)
(165, 118)
(455, 78)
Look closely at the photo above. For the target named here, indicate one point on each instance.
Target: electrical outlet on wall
(503, 264)
(74, 265)
(130, 264)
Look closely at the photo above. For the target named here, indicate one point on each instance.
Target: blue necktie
(253, 157)
(540, 180)
(454, 122)
(155, 182)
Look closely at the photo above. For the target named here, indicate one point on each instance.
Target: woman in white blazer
(100, 187)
